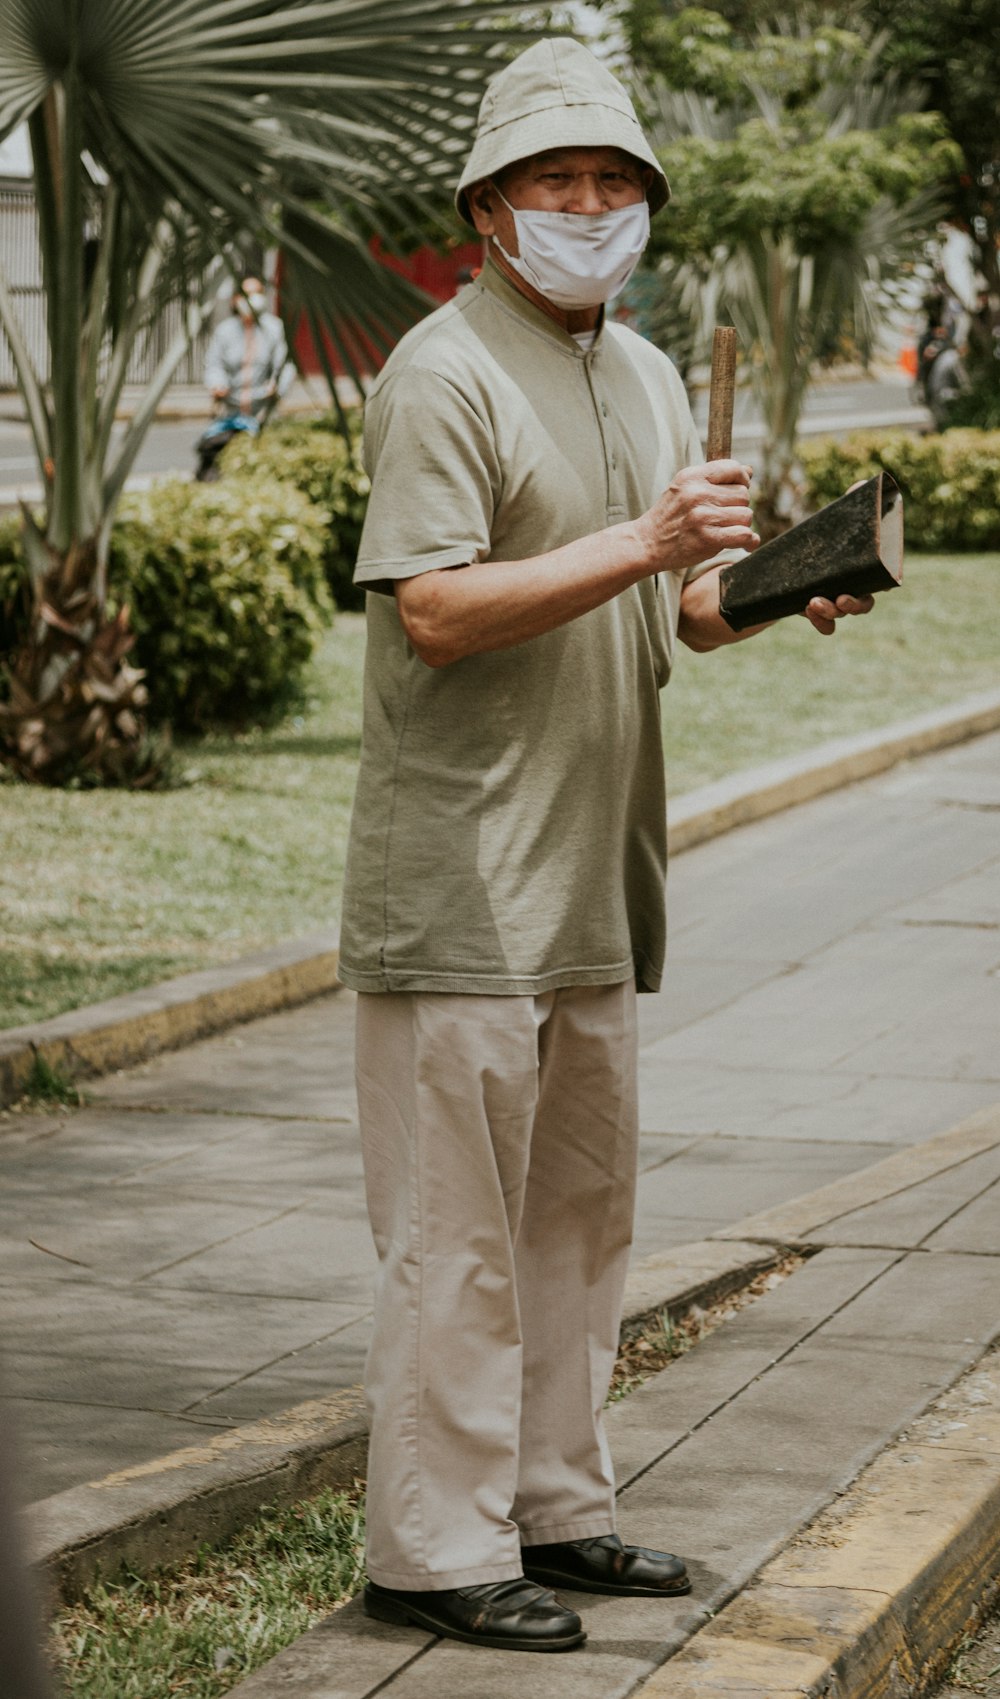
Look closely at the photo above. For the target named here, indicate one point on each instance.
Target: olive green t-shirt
(509, 826)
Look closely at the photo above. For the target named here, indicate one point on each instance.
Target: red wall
(429, 269)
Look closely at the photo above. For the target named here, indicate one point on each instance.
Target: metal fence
(21, 269)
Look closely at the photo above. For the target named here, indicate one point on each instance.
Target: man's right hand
(219, 394)
(705, 509)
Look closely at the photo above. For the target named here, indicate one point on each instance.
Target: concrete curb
(805, 1220)
(870, 1601)
(743, 797)
(127, 1030)
(160, 1511)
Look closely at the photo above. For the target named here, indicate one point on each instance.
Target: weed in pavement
(47, 1085)
(975, 1668)
(654, 1340)
(198, 1630)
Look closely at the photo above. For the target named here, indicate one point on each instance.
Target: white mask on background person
(578, 259)
(258, 302)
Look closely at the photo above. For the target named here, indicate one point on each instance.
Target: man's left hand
(823, 614)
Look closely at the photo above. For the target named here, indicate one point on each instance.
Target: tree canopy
(803, 181)
(949, 49)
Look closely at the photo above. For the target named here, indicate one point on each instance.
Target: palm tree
(164, 135)
(808, 214)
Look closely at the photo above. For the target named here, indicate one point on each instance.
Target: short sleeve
(435, 480)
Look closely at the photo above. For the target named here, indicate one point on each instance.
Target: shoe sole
(405, 1616)
(576, 1584)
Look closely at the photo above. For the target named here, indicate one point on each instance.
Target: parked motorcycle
(218, 434)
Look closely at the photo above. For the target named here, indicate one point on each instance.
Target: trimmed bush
(950, 482)
(228, 597)
(227, 594)
(312, 456)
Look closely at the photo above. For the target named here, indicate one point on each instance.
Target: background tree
(804, 181)
(950, 49)
(165, 134)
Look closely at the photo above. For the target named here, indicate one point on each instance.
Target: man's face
(569, 179)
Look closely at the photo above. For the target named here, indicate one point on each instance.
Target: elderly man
(540, 529)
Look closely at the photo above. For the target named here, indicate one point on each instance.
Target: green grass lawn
(199, 1629)
(105, 891)
(934, 641)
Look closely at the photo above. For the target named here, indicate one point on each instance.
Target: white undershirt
(584, 338)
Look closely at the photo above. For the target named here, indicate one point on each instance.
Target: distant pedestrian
(247, 367)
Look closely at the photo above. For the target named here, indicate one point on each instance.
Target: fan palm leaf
(166, 135)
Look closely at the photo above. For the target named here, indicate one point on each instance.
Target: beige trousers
(499, 1138)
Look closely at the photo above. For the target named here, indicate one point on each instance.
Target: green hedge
(227, 593)
(314, 458)
(950, 482)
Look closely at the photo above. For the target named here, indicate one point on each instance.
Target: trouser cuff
(591, 1529)
(419, 1581)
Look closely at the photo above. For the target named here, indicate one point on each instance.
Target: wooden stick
(722, 394)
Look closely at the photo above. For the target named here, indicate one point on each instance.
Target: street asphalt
(876, 402)
(190, 1250)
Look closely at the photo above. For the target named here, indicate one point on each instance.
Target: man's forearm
(701, 626)
(490, 605)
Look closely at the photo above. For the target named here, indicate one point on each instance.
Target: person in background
(247, 366)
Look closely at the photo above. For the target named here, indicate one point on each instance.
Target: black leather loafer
(605, 1565)
(516, 1616)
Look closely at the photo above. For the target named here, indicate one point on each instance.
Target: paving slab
(971, 901)
(295, 1064)
(329, 1365)
(774, 1025)
(875, 1595)
(929, 1213)
(835, 1107)
(722, 1178)
(712, 1485)
(807, 1216)
(974, 1228)
(69, 1440)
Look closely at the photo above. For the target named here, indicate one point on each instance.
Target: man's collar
(495, 283)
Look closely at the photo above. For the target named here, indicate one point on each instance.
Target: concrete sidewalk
(190, 1251)
(729, 1454)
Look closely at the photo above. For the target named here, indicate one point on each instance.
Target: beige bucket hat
(555, 94)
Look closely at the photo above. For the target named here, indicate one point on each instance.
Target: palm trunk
(75, 706)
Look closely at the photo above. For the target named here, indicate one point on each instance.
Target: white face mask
(578, 259)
